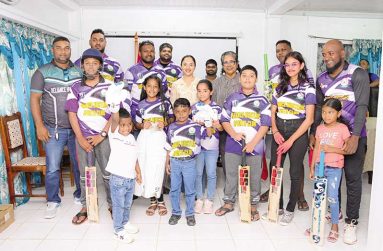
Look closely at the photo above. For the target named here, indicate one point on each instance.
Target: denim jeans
(208, 159)
(333, 175)
(54, 149)
(121, 190)
(182, 170)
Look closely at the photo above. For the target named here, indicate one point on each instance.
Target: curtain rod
(349, 40)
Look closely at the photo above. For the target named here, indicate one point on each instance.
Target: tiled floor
(32, 232)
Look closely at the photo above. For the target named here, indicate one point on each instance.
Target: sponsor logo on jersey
(191, 131)
(300, 96)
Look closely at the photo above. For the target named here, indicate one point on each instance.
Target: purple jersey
(184, 141)
(153, 111)
(172, 71)
(292, 104)
(342, 88)
(111, 69)
(208, 143)
(246, 114)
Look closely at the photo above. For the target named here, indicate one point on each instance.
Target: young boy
(183, 145)
(246, 115)
(124, 168)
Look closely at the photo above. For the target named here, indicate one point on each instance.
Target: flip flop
(302, 205)
(333, 236)
(78, 215)
(224, 210)
(254, 214)
(264, 197)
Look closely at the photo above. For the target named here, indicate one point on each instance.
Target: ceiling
(272, 6)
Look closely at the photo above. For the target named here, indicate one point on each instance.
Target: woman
(292, 113)
(186, 87)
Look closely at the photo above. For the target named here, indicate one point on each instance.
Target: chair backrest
(12, 135)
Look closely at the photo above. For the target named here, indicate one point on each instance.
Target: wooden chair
(13, 139)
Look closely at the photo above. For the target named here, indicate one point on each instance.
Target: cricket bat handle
(90, 158)
(279, 160)
(243, 153)
(321, 164)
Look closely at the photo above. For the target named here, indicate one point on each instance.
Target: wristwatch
(104, 134)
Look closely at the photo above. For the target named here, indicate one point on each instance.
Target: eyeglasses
(293, 65)
(231, 62)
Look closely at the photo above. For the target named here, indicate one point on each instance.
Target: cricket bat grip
(321, 164)
(243, 142)
(90, 158)
(279, 160)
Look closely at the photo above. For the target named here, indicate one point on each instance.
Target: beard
(148, 61)
(334, 68)
(165, 59)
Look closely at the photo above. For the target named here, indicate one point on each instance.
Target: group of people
(157, 126)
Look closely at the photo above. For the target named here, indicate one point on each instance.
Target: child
(206, 113)
(246, 115)
(183, 138)
(153, 115)
(331, 137)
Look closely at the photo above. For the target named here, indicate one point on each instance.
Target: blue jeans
(208, 159)
(54, 150)
(121, 190)
(182, 170)
(333, 175)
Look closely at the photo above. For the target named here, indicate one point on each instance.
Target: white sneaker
(77, 201)
(130, 228)
(123, 236)
(208, 207)
(51, 210)
(287, 217)
(198, 206)
(349, 235)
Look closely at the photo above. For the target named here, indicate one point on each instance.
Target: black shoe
(166, 190)
(190, 220)
(174, 219)
(135, 197)
(111, 212)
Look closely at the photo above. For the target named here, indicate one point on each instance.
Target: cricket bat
(268, 86)
(275, 190)
(244, 189)
(91, 189)
(319, 205)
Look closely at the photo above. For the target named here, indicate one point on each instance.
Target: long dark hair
(160, 94)
(284, 78)
(337, 105)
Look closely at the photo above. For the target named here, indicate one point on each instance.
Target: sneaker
(124, 237)
(51, 210)
(328, 217)
(208, 207)
(198, 206)
(130, 228)
(77, 201)
(190, 220)
(174, 219)
(287, 217)
(349, 235)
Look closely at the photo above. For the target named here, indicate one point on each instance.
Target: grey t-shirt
(223, 87)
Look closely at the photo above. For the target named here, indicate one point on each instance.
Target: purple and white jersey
(292, 104)
(135, 76)
(246, 114)
(111, 69)
(172, 71)
(208, 143)
(154, 111)
(183, 141)
(342, 88)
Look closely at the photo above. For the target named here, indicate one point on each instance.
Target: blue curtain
(22, 50)
(369, 49)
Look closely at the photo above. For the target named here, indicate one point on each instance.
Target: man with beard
(211, 70)
(173, 72)
(350, 84)
(111, 69)
(50, 86)
(136, 74)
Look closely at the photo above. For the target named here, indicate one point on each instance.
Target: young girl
(331, 137)
(206, 113)
(153, 115)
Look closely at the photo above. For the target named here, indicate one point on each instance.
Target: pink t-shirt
(333, 136)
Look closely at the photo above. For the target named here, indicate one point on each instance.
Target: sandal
(224, 210)
(302, 205)
(162, 210)
(254, 214)
(77, 220)
(264, 197)
(333, 236)
(152, 208)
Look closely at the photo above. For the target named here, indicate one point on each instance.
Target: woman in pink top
(331, 136)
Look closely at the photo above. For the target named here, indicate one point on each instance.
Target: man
(211, 70)
(111, 69)
(172, 71)
(136, 74)
(282, 48)
(374, 89)
(350, 84)
(223, 86)
(50, 86)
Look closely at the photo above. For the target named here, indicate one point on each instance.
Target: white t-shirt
(123, 155)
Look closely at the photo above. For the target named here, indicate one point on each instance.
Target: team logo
(159, 76)
(81, 94)
(173, 71)
(142, 111)
(344, 82)
(235, 103)
(191, 131)
(256, 103)
(110, 68)
(322, 85)
(300, 96)
(103, 92)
